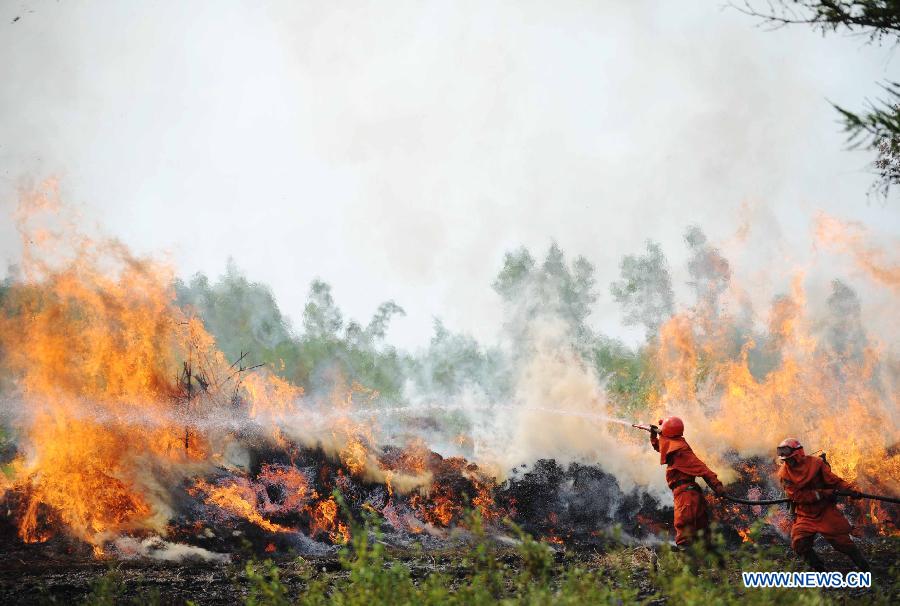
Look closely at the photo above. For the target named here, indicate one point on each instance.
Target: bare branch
(875, 19)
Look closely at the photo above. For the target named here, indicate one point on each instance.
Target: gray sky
(397, 149)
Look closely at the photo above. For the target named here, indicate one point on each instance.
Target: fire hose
(653, 429)
(840, 493)
(752, 502)
(865, 495)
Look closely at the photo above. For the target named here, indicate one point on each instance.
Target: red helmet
(790, 448)
(671, 427)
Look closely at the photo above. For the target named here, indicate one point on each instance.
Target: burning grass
(130, 436)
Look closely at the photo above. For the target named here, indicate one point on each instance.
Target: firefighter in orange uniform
(810, 485)
(691, 511)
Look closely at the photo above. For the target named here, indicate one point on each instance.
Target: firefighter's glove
(826, 494)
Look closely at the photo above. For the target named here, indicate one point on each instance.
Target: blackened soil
(46, 574)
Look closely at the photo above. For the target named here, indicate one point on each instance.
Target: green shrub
(110, 590)
(532, 573)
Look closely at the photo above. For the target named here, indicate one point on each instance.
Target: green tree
(628, 374)
(554, 289)
(645, 289)
(877, 127)
(454, 361)
(322, 320)
(242, 315)
(355, 353)
(710, 272)
(845, 336)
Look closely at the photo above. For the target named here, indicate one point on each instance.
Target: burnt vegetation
(302, 523)
(152, 454)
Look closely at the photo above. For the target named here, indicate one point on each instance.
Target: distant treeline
(244, 317)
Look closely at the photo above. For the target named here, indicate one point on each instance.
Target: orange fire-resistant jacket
(807, 485)
(682, 463)
(691, 512)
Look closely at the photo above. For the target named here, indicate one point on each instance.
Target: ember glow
(129, 421)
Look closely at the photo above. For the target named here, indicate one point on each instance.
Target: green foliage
(880, 122)
(878, 127)
(645, 289)
(353, 352)
(879, 20)
(454, 361)
(106, 591)
(710, 272)
(630, 375)
(7, 449)
(537, 560)
(887, 161)
(264, 585)
(322, 320)
(846, 336)
(243, 316)
(518, 267)
(485, 572)
(554, 289)
(111, 590)
(373, 579)
(712, 574)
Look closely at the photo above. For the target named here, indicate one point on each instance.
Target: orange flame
(94, 342)
(114, 382)
(851, 238)
(240, 501)
(325, 520)
(837, 400)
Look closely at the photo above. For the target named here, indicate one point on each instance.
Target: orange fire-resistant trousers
(691, 514)
(830, 523)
